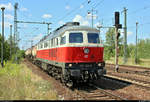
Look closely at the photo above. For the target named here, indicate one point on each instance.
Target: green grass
(17, 82)
(131, 61)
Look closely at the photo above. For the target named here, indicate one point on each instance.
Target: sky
(58, 12)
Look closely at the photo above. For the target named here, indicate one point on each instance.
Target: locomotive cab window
(93, 38)
(75, 38)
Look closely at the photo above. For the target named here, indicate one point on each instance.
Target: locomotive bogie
(86, 71)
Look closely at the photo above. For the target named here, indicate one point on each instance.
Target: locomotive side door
(56, 54)
(49, 47)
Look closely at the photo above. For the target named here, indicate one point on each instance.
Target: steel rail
(109, 93)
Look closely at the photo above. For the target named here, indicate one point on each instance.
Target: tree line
(10, 49)
(143, 47)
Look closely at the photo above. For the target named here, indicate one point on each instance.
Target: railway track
(138, 67)
(144, 71)
(89, 92)
(119, 78)
(93, 92)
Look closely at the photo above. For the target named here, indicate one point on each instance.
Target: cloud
(81, 6)
(7, 6)
(129, 33)
(89, 16)
(80, 19)
(38, 37)
(30, 15)
(67, 7)
(47, 16)
(25, 26)
(23, 9)
(61, 22)
(97, 24)
(8, 16)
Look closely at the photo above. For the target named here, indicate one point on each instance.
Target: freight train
(71, 53)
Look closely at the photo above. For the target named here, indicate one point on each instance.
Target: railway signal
(117, 20)
(117, 26)
(118, 35)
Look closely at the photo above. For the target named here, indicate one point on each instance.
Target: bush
(138, 60)
(18, 56)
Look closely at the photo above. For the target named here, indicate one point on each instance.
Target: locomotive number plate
(85, 56)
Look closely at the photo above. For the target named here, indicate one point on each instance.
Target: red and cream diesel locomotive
(72, 53)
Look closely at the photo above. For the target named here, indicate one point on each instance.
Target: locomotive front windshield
(93, 38)
(75, 38)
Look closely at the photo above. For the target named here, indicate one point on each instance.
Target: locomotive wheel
(62, 79)
(56, 77)
(69, 84)
(50, 73)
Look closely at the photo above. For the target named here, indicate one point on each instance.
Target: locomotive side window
(75, 38)
(93, 38)
(38, 46)
(48, 44)
(51, 42)
(45, 45)
(63, 40)
(56, 41)
(41, 45)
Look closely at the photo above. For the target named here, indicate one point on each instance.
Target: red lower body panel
(72, 54)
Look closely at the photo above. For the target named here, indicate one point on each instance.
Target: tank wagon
(72, 53)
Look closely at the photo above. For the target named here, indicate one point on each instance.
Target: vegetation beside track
(131, 61)
(143, 48)
(17, 82)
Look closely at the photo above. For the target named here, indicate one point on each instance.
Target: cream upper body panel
(55, 41)
(85, 40)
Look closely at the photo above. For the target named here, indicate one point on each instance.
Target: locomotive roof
(59, 31)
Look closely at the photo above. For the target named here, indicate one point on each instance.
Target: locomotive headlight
(99, 64)
(86, 50)
(70, 65)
